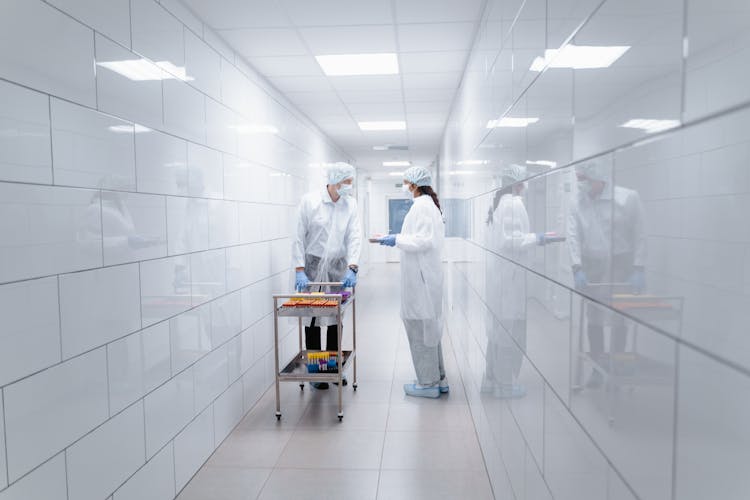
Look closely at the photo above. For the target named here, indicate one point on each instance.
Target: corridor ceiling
(432, 39)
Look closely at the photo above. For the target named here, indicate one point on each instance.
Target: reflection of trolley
(630, 368)
(297, 369)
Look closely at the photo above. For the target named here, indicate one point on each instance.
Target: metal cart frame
(296, 369)
(652, 373)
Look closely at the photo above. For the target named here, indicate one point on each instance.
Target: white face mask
(405, 189)
(345, 189)
(584, 187)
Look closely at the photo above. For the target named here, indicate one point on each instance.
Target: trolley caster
(354, 386)
(341, 417)
(302, 387)
(278, 416)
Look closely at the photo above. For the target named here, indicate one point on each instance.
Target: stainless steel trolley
(296, 369)
(641, 370)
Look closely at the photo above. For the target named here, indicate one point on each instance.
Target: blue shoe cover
(421, 392)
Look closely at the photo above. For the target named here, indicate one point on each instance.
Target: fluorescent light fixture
(128, 129)
(579, 57)
(509, 122)
(651, 126)
(358, 64)
(179, 72)
(396, 163)
(382, 125)
(473, 162)
(395, 174)
(544, 163)
(462, 172)
(255, 128)
(141, 70)
(324, 164)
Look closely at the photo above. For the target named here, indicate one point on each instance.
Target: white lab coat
(611, 224)
(327, 230)
(421, 244)
(511, 234)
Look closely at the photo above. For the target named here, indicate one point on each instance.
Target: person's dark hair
(432, 194)
(496, 201)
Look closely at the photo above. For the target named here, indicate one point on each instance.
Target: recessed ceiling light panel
(510, 122)
(358, 64)
(579, 57)
(382, 125)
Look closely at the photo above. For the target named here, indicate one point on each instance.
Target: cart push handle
(324, 283)
(605, 284)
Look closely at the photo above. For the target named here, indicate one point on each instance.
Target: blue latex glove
(541, 239)
(389, 241)
(580, 279)
(137, 241)
(350, 279)
(301, 281)
(638, 280)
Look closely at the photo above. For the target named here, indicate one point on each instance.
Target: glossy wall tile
(30, 339)
(603, 280)
(47, 51)
(25, 154)
(135, 267)
(101, 461)
(92, 149)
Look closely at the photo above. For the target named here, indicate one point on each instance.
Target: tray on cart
(306, 311)
(296, 369)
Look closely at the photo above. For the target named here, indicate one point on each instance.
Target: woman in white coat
(421, 244)
(511, 237)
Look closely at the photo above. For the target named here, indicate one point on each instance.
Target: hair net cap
(419, 176)
(515, 172)
(339, 172)
(595, 171)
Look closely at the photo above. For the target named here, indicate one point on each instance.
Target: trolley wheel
(354, 386)
(341, 417)
(278, 416)
(302, 387)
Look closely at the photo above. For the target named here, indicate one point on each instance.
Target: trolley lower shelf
(296, 370)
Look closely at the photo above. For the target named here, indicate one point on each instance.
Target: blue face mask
(345, 189)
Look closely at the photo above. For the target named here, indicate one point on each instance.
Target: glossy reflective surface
(148, 179)
(590, 359)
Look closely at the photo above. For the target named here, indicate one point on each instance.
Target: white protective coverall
(421, 244)
(328, 237)
(606, 238)
(509, 233)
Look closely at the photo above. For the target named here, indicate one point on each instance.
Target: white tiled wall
(153, 481)
(105, 458)
(30, 338)
(25, 143)
(672, 425)
(135, 270)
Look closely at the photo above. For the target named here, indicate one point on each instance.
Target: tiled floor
(387, 447)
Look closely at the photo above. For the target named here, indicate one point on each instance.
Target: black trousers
(313, 340)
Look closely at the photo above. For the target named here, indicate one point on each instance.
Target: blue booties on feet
(419, 391)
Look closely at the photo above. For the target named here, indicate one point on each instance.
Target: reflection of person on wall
(607, 244)
(120, 236)
(510, 236)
